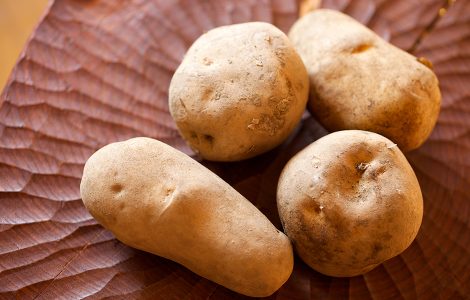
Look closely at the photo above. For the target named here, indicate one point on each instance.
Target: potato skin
(239, 92)
(359, 81)
(157, 199)
(349, 201)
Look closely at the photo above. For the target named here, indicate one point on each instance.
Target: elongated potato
(240, 90)
(349, 201)
(359, 81)
(157, 199)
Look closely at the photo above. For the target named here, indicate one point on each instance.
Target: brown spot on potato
(208, 138)
(169, 191)
(288, 84)
(376, 248)
(192, 134)
(116, 187)
(318, 208)
(168, 194)
(361, 48)
(207, 61)
(425, 62)
(207, 94)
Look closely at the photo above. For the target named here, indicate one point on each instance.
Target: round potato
(348, 202)
(240, 90)
(359, 81)
(157, 199)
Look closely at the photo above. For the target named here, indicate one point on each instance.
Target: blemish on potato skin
(168, 194)
(319, 208)
(207, 61)
(209, 139)
(180, 111)
(254, 122)
(117, 187)
(169, 191)
(282, 106)
(193, 135)
(255, 100)
(268, 124)
(386, 237)
(280, 57)
(425, 62)
(361, 167)
(376, 248)
(207, 94)
(374, 174)
(362, 48)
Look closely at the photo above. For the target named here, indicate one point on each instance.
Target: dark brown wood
(97, 71)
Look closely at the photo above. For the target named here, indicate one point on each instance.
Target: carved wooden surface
(97, 71)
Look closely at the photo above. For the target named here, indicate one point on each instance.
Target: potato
(359, 81)
(240, 90)
(349, 201)
(157, 199)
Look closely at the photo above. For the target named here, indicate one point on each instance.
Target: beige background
(17, 21)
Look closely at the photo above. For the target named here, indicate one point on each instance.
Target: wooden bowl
(97, 71)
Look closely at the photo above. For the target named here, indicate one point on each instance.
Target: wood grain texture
(96, 72)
